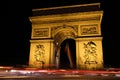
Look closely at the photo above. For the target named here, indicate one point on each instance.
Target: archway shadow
(68, 58)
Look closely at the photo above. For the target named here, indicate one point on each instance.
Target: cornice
(71, 17)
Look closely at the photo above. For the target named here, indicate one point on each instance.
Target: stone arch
(63, 32)
(60, 36)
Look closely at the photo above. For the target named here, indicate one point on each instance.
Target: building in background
(67, 37)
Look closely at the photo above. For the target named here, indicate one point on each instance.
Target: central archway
(65, 49)
(67, 54)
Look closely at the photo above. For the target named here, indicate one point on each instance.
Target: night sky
(17, 30)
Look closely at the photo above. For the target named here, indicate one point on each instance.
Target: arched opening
(65, 48)
(68, 54)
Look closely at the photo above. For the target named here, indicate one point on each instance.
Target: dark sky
(17, 30)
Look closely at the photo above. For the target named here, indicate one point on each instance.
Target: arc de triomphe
(67, 37)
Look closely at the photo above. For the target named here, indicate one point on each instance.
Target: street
(61, 74)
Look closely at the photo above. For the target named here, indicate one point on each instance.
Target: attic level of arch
(67, 9)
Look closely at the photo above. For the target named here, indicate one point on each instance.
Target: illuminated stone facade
(72, 30)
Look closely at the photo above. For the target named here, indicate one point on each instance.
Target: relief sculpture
(39, 55)
(90, 54)
(89, 29)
